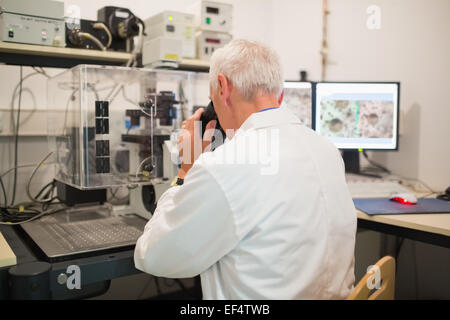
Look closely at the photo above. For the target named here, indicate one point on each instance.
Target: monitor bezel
(397, 135)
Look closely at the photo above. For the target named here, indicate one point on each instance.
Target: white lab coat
(284, 233)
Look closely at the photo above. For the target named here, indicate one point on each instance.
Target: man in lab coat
(268, 214)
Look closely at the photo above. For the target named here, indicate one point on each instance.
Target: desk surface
(426, 225)
(438, 223)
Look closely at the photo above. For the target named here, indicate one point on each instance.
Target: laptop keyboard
(94, 233)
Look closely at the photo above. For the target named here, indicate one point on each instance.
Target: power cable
(16, 143)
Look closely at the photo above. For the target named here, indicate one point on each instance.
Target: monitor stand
(351, 162)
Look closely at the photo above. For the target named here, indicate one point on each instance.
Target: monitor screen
(297, 98)
(358, 115)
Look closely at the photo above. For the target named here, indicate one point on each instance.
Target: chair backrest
(378, 283)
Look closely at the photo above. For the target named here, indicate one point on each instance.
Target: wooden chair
(363, 291)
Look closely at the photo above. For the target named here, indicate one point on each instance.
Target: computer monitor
(357, 115)
(297, 98)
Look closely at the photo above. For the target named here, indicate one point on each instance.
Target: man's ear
(224, 87)
(280, 98)
(222, 83)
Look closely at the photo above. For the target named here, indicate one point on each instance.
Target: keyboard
(375, 188)
(96, 233)
(59, 238)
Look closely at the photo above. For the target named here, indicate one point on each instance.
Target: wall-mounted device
(38, 22)
(123, 24)
(162, 52)
(208, 42)
(88, 34)
(216, 16)
(174, 25)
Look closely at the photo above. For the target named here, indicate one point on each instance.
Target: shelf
(194, 65)
(59, 57)
(47, 56)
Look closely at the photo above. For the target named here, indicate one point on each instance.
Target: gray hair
(251, 67)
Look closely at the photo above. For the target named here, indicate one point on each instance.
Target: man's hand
(191, 144)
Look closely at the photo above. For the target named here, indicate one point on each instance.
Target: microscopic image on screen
(357, 115)
(357, 118)
(298, 100)
(338, 118)
(375, 119)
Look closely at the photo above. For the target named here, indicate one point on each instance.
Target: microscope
(117, 127)
(110, 129)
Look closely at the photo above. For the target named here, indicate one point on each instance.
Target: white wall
(296, 33)
(412, 46)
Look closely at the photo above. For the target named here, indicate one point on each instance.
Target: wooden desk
(431, 228)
